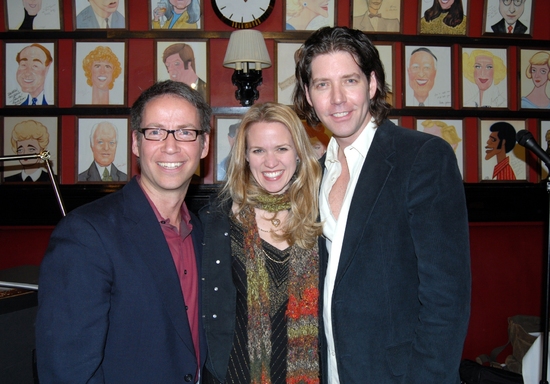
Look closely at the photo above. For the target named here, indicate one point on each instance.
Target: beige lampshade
(246, 46)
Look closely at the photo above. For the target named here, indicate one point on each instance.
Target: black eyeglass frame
(173, 132)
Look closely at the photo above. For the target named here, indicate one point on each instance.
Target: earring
(305, 4)
(297, 159)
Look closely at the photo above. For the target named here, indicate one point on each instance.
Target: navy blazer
(401, 300)
(110, 306)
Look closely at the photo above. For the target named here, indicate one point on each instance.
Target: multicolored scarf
(301, 313)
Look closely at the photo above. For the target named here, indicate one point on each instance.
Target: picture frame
(31, 135)
(100, 73)
(18, 90)
(433, 19)
(534, 74)
(115, 15)
(319, 137)
(285, 79)
(316, 16)
(225, 128)
(178, 55)
(27, 17)
(499, 18)
(161, 11)
(386, 52)
(389, 21)
(96, 152)
(484, 77)
(544, 134)
(427, 76)
(450, 130)
(496, 163)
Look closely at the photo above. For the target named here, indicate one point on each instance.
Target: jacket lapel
(149, 239)
(375, 172)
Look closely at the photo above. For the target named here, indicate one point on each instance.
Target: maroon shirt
(183, 254)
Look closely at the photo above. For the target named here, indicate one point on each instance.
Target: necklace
(276, 261)
(270, 231)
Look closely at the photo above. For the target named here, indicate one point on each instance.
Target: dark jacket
(219, 293)
(401, 299)
(110, 306)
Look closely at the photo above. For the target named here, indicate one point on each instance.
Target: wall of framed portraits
(455, 73)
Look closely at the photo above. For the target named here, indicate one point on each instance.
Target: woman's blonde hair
(468, 62)
(294, 7)
(301, 225)
(539, 58)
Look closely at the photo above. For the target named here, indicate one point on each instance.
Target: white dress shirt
(333, 229)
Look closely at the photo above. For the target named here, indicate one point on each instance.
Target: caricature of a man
(103, 143)
(179, 60)
(101, 14)
(372, 20)
(502, 140)
(511, 11)
(33, 65)
(422, 71)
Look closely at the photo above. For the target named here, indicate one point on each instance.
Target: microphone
(526, 139)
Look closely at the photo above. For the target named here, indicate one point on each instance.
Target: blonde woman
(101, 68)
(538, 70)
(485, 70)
(260, 260)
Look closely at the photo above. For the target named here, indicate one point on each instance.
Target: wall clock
(243, 13)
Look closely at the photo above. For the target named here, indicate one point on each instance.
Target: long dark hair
(340, 39)
(454, 16)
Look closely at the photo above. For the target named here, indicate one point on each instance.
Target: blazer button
(188, 378)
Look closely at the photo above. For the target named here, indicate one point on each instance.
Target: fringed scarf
(301, 313)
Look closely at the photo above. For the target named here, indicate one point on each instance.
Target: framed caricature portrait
(25, 135)
(103, 154)
(443, 18)
(377, 16)
(449, 130)
(428, 76)
(545, 144)
(99, 14)
(500, 157)
(534, 71)
(185, 61)
(386, 56)
(484, 78)
(30, 70)
(226, 127)
(167, 14)
(100, 73)
(308, 16)
(285, 81)
(513, 18)
(25, 15)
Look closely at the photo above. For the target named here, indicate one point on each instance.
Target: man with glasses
(118, 298)
(511, 11)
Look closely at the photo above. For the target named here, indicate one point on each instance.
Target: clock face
(243, 13)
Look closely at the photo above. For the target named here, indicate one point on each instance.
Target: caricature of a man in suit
(372, 20)
(100, 14)
(103, 142)
(34, 62)
(511, 11)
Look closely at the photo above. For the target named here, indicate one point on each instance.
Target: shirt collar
(361, 144)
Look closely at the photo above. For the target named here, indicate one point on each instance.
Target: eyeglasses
(517, 3)
(160, 134)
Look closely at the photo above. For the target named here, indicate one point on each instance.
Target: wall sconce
(247, 54)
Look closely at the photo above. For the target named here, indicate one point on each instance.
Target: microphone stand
(544, 368)
(45, 157)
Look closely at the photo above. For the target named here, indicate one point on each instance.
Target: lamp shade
(246, 46)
